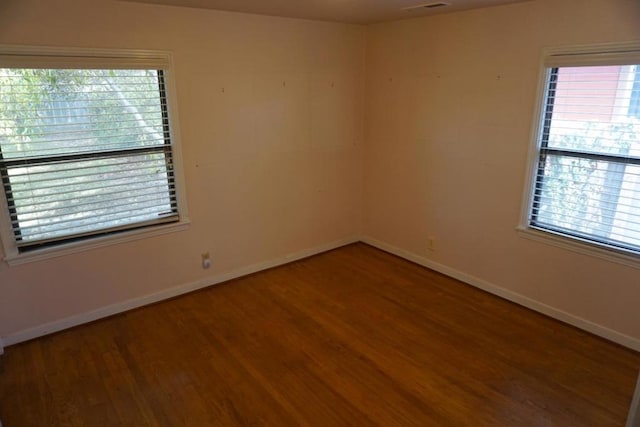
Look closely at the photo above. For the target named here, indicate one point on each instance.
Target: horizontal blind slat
(48, 134)
(78, 201)
(30, 182)
(76, 124)
(54, 141)
(608, 213)
(152, 207)
(129, 179)
(60, 109)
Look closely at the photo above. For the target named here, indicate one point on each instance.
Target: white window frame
(567, 56)
(55, 57)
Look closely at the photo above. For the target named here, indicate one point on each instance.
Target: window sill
(99, 242)
(583, 247)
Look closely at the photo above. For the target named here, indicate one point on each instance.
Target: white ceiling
(348, 11)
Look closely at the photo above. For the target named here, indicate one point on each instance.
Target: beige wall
(270, 169)
(450, 102)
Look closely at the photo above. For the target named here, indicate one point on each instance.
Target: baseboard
(110, 310)
(586, 325)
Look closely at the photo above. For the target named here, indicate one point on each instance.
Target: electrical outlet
(206, 260)
(432, 244)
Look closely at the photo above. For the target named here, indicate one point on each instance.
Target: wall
(450, 102)
(272, 164)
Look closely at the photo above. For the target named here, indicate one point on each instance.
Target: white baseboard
(594, 328)
(69, 322)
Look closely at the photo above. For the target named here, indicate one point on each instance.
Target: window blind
(587, 182)
(84, 152)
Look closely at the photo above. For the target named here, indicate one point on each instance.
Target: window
(86, 148)
(586, 174)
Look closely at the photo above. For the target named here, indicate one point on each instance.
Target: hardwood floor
(350, 337)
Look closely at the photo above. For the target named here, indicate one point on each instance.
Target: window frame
(556, 57)
(54, 57)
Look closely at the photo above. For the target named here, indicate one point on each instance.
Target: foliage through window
(587, 180)
(84, 152)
